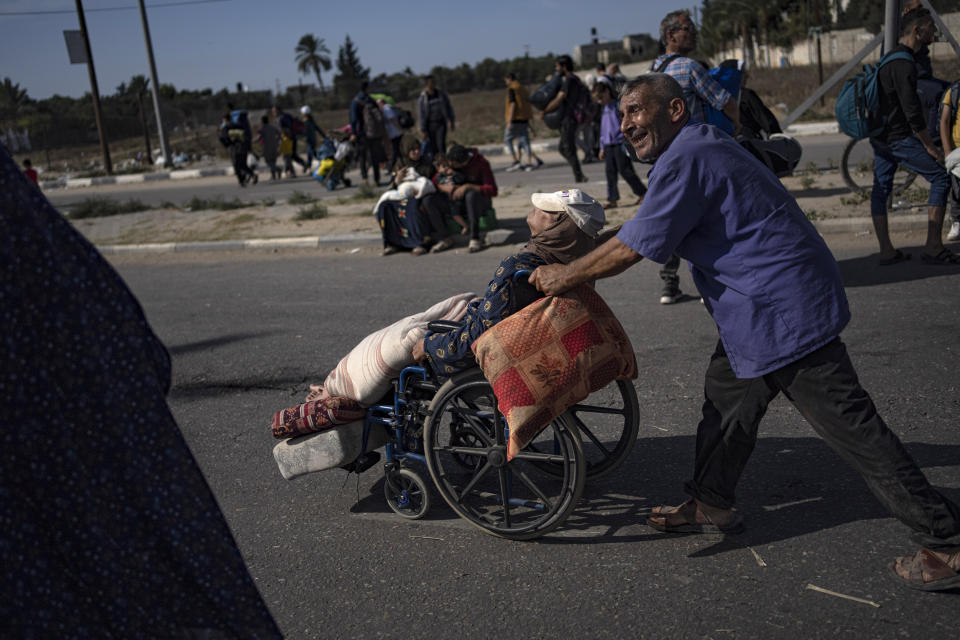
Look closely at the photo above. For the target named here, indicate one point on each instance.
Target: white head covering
(305, 110)
(582, 208)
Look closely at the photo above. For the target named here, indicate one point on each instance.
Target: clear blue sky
(218, 44)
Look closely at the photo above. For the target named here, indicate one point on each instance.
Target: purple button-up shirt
(765, 274)
(610, 125)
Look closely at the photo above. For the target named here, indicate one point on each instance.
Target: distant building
(638, 46)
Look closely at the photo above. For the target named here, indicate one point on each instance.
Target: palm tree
(311, 56)
(13, 99)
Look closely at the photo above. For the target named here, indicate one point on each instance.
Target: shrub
(101, 207)
(218, 204)
(316, 211)
(299, 197)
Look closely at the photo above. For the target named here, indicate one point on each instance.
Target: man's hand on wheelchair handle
(549, 279)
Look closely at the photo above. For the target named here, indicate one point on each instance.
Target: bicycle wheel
(856, 167)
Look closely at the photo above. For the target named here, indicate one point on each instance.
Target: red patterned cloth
(315, 416)
(550, 355)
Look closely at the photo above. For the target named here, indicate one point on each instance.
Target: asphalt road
(824, 151)
(249, 332)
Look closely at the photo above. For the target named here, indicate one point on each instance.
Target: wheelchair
(455, 430)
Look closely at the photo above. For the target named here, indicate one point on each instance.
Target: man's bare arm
(609, 259)
(555, 102)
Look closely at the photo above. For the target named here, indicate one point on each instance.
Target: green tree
(351, 72)
(13, 100)
(137, 88)
(311, 56)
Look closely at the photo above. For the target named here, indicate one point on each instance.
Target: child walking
(611, 146)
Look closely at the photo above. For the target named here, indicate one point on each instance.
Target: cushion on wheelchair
(328, 449)
(365, 373)
(315, 416)
(550, 355)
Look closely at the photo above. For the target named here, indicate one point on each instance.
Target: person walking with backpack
(289, 128)
(570, 95)
(905, 140)
(678, 35)
(435, 111)
(368, 130)
(950, 137)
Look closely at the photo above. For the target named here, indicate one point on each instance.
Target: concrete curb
(260, 244)
(812, 128)
(133, 178)
(497, 237)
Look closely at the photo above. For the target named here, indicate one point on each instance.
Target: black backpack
(404, 118)
(373, 126)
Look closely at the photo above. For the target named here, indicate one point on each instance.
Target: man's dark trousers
(824, 387)
(568, 146)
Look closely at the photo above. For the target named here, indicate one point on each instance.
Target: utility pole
(161, 133)
(891, 25)
(95, 92)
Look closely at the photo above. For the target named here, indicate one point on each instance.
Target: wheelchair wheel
(608, 421)
(856, 167)
(406, 493)
(465, 442)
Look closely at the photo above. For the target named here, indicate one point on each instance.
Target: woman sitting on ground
(434, 206)
(563, 226)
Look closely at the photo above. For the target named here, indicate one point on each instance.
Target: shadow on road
(219, 341)
(866, 272)
(791, 487)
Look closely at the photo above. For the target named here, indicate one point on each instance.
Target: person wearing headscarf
(431, 226)
(563, 226)
(108, 528)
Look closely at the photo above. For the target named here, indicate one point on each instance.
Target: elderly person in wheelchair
(563, 226)
(446, 415)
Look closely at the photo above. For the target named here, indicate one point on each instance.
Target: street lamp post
(164, 143)
(94, 91)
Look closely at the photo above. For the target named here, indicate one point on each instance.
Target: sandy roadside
(822, 196)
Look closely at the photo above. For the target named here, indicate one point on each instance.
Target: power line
(152, 6)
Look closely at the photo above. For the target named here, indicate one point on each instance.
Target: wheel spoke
(467, 451)
(594, 409)
(533, 487)
(536, 456)
(474, 421)
(593, 438)
(505, 495)
(473, 481)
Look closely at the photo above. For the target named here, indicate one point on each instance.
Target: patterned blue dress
(449, 353)
(107, 526)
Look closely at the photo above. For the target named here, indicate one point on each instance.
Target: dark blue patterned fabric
(107, 527)
(449, 353)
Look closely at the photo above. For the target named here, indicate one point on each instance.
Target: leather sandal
(926, 572)
(701, 524)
